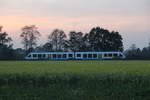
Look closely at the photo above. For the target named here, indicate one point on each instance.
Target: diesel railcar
(74, 55)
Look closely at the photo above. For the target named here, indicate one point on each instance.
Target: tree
(115, 41)
(133, 47)
(19, 54)
(48, 47)
(85, 43)
(102, 40)
(146, 52)
(4, 39)
(75, 41)
(29, 37)
(97, 37)
(134, 52)
(6, 51)
(57, 38)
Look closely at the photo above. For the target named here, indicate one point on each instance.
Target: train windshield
(29, 55)
(121, 55)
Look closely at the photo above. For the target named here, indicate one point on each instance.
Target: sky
(130, 17)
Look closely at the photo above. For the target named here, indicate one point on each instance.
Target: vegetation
(75, 80)
(57, 40)
(136, 53)
(29, 37)
(75, 67)
(6, 50)
(72, 80)
(102, 40)
(98, 39)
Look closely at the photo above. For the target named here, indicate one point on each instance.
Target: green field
(76, 67)
(74, 80)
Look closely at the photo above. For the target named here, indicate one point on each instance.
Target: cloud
(74, 7)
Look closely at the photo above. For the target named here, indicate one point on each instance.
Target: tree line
(136, 53)
(98, 39)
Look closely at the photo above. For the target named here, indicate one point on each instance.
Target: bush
(74, 87)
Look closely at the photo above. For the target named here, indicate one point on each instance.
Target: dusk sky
(130, 17)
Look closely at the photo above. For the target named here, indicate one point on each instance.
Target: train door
(100, 56)
(49, 56)
(95, 56)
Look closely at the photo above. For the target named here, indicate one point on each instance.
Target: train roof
(75, 52)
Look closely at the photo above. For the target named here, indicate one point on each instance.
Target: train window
(34, 55)
(49, 56)
(120, 55)
(94, 55)
(115, 55)
(44, 55)
(78, 55)
(59, 56)
(84, 55)
(89, 55)
(54, 55)
(29, 55)
(70, 55)
(64, 55)
(110, 55)
(105, 55)
(39, 55)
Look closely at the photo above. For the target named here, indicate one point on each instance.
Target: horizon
(130, 18)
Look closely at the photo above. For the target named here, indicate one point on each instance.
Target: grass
(75, 80)
(76, 67)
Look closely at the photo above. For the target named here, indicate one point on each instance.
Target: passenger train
(74, 55)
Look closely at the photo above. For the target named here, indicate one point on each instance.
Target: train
(75, 56)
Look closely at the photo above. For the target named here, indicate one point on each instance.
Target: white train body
(74, 55)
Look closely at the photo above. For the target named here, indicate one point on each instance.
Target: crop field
(75, 80)
(75, 67)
